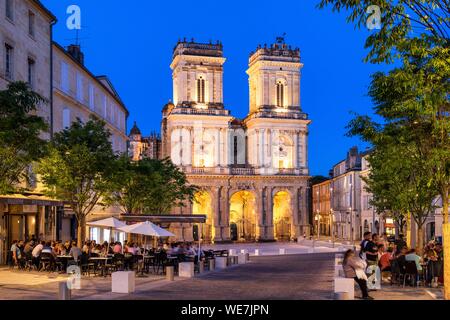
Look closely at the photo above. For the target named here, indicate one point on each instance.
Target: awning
(20, 199)
(164, 218)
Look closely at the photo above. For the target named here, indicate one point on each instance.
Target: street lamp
(332, 225)
(317, 218)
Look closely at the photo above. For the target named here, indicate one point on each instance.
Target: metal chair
(411, 273)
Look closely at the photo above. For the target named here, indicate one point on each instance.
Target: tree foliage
(401, 21)
(20, 134)
(149, 186)
(78, 168)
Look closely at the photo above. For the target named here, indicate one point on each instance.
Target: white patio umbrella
(111, 223)
(147, 229)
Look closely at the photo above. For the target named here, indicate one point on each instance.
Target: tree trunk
(81, 230)
(420, 240)
(446, 245)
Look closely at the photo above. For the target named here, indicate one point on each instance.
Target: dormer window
(201, 90)
(280, 94)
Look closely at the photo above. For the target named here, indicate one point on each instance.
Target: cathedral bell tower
(277, 128)
(197, 72)
(274, 78)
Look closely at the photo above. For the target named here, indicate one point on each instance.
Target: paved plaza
(290, 276)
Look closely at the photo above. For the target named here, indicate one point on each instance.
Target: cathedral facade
(252, 172)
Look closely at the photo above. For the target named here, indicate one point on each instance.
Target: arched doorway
(202, 205)
(282, 216)
(243, 216)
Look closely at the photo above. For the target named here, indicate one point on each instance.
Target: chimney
(75, 51)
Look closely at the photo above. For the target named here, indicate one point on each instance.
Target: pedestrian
(354, 267)
(363, 244)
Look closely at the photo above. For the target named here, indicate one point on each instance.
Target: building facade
(252, 172)
(79, 94)
(323, 217)
(143, 147)
(346, 196)
(25, 55)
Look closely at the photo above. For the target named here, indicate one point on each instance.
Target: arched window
(201, 90)
(280, 94)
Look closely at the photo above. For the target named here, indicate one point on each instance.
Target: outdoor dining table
(64, 260)
(144, 258)
(98, 259)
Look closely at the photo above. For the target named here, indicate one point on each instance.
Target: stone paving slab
(266, 277)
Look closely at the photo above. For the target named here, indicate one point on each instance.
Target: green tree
(20, 134)
(149, 186)
(78, 168)
(399, 178)
(171, 188)
(401, 21)
(415, 95)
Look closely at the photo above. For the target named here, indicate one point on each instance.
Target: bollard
(342, 296)
(170, 273)
(212, 264)
(64, 292)
(247, 257)
(201, 266)
(257, 252)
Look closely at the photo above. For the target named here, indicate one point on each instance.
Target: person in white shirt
(36, 253)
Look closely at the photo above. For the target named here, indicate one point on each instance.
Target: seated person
(385, 260)
(412, 256)
(75, 252)
(117, 248)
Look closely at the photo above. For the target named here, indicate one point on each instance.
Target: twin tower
(252, 173)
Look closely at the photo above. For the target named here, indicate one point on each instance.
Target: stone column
(217, 149)
(261, 147)
(304, 211)
(224, 147)
(296, 228)
(296, 150)
(216, 198)
(193, 140)
(189, 148)
(225, 214)
(260, 214)
(269, 214)
(305, 149)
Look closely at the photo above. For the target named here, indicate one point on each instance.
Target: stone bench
(123, 281)
(345, 285)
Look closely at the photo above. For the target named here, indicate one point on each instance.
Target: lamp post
(318, 224)
(332, 226)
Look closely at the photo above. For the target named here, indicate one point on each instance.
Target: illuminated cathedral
(252, 172)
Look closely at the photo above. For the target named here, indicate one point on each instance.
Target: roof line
(116, 97)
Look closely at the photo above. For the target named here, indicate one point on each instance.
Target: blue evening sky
(132, 41)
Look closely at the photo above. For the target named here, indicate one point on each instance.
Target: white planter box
(186, 269)
(345, 285)
(123, 281)
(232, 252)
(282, 251)
(257, 252)
(242, 258)
(221, 262)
